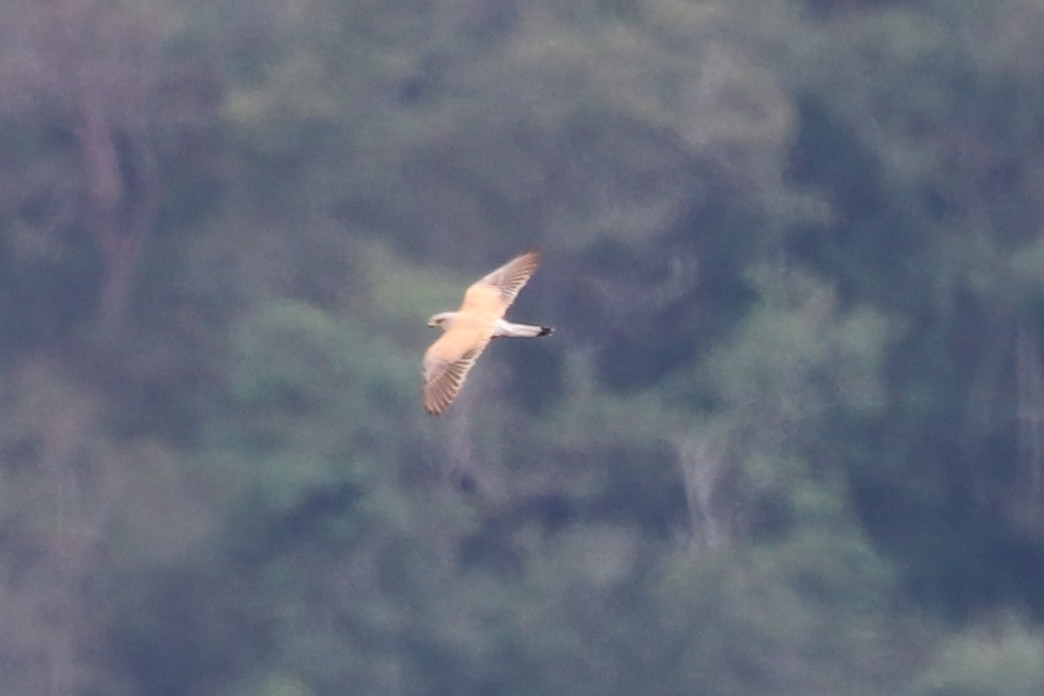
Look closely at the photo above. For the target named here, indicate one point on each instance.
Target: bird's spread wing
(446, 364)
(497, 290)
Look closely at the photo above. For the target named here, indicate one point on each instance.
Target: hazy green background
(787, 440)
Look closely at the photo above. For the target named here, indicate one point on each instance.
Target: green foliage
(314, 399)
(789, 419)
(1001, 660)
(797, 351)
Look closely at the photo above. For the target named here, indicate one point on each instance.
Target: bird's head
(440, 320)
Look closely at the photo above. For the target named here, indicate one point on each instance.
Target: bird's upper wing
(448, 362)
(494, 292)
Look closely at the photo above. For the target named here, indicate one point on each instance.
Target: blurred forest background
(788, 438)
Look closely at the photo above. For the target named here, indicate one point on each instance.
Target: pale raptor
(467, 331)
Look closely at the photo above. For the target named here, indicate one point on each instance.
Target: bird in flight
(467, 331)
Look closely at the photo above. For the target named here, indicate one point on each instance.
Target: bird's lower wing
(444, 373)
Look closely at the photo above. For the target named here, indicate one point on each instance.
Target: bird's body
(467, 331)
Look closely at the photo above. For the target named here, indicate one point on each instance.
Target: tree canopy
(787, 437)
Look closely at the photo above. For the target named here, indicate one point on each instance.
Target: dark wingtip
(545, 331)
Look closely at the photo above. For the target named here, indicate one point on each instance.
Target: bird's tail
(506, 329)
